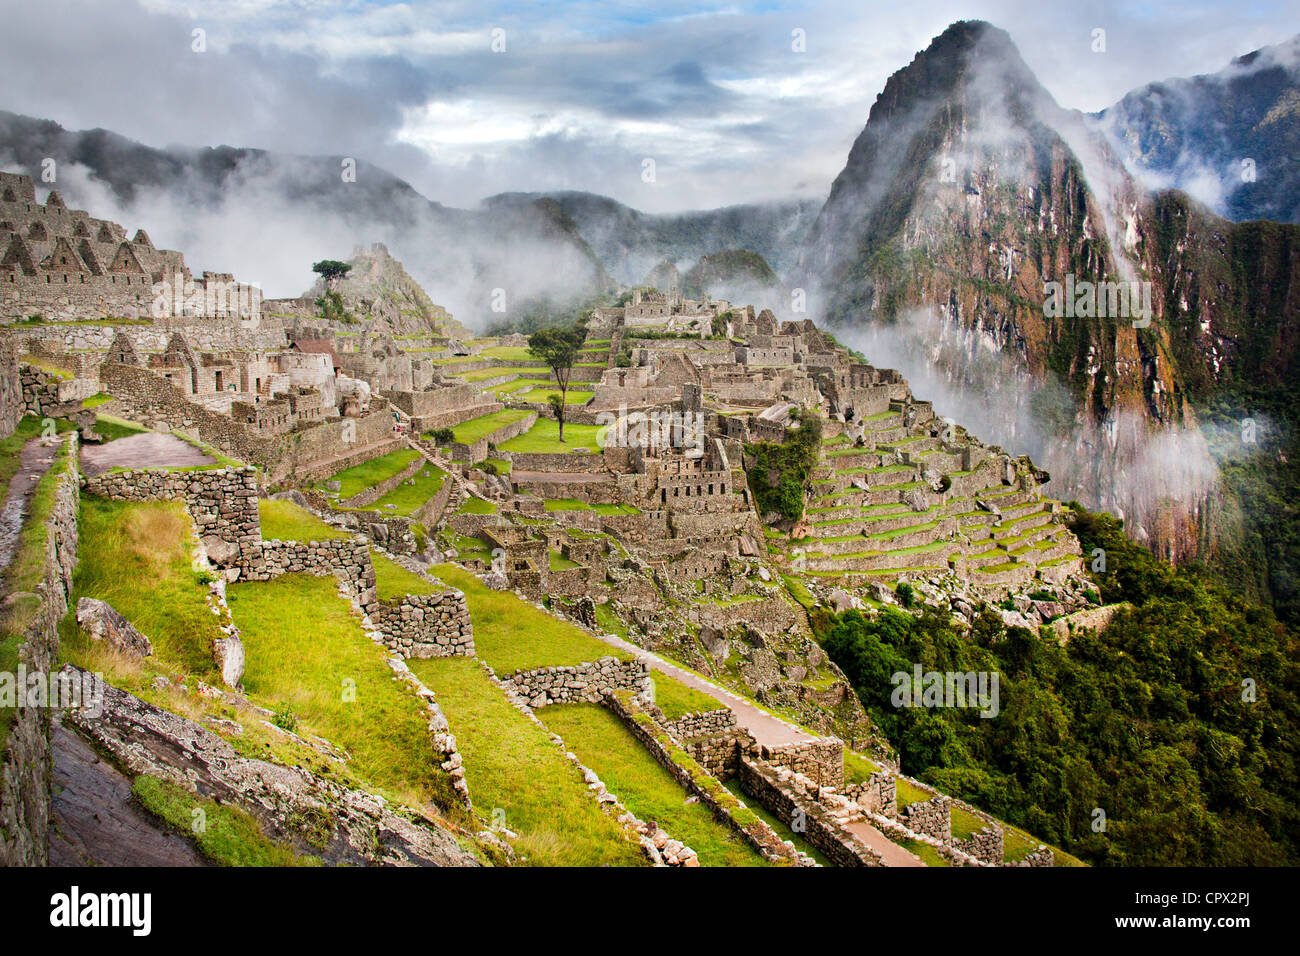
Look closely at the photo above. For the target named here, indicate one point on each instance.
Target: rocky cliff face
(968, 194)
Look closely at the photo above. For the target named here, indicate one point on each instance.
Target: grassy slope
(513, 767)
(358, 478)
(511, 634)
(303, 647)
(646, 788)
(544, 437)
(285, 521)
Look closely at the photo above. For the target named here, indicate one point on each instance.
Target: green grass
(965, 824)
(928, 854)
(544, 438)
(393, 581)
(677, 699)
(512, 635)
(479, 375)
(542, 396)
(410, 498)
(113, 428)
(137, 556)
(479, 428)
(476, 506)
(286, 521)
(647, 789)
(352, 481)
(559, 562)
(503, 465)
(857, 769)
(306, 652)
(99, 398)
(25, 571)
(228, 835)
(566, 504)
(509, 353)
(512, 766)
(908, 793)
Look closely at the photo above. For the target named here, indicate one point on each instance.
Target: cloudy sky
(735, 101)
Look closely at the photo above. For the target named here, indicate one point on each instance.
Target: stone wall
(26, 755)
(932, 817)
(11, 387)
(820, 760)
(586, 682)
(706, 723)
(782, 794)
(222, 501)
(726, 809)
(425, 625)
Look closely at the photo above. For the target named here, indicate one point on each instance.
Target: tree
(558, 348)
(331, 269)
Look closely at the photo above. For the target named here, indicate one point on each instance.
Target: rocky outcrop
(102, 623)
(337, 824)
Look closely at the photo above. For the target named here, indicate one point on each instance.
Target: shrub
(443, 436)
(906, 596)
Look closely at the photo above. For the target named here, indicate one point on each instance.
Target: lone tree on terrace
(331, 269)
(558, 348)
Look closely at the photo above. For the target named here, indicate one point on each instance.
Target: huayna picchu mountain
(991, 245)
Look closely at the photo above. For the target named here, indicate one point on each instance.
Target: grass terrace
(476, 506)
(286, 521)
(352, 481)
(307, 656)
(479, 428)
(676, 699)
(647, 789)
(392, 581)
(574, 504)
(512, 765)
(407, 498)
(138, 557)
(511, 635)
(544, 438)
(478, 375)
(509, 353)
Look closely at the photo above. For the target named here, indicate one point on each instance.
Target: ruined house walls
(778, 793)
(580, 683)
(26, 755)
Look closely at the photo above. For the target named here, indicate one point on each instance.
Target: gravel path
(146, 450)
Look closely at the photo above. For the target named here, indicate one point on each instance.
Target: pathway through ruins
(768, 730)
(33, 462)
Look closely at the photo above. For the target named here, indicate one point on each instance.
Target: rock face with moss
(317, 816)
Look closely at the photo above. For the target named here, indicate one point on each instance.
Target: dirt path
(890, 852)
(146, 450)
(767, 729)
(33, 462)
(96, 822)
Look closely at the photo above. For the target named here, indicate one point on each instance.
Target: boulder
(103, 623)
(220, 552)
(228, 653)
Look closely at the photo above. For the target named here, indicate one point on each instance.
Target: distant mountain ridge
(1231, 138)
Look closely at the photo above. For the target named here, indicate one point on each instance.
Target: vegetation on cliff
(1180, 721)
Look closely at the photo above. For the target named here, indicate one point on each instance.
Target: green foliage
(332, 308)
(905, 594)
(1145, 720)
(285, 718)
(329, 269)
(782, 473)
(443, 436)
